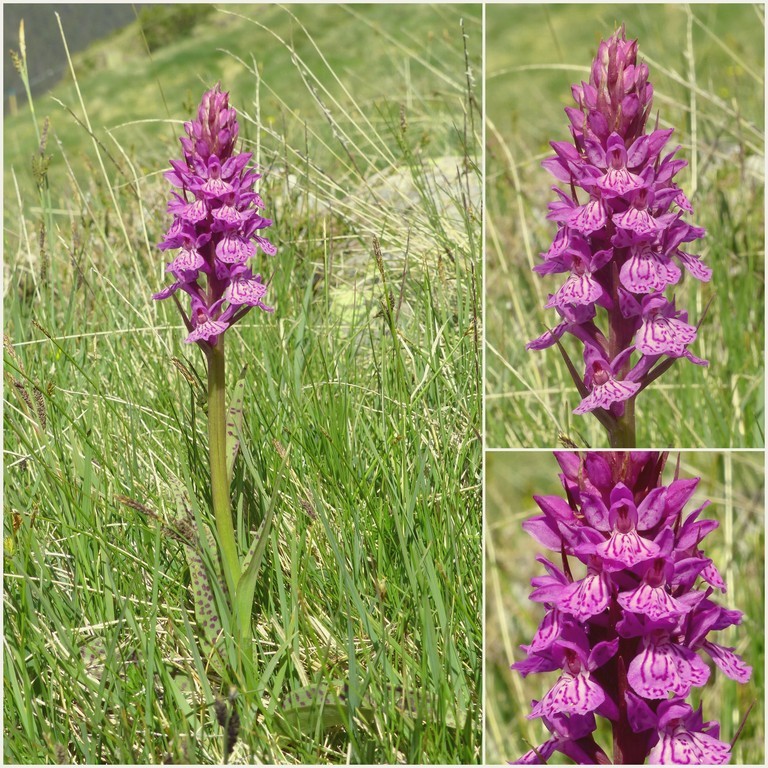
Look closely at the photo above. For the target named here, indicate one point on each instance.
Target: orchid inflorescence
(216, 224)
(216, 233)
(627, 613)
(622, 243)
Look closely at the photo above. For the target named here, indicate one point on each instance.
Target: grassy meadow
(362, 395)
(706, 63)
(734, 482)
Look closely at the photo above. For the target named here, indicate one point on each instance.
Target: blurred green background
(379, 53)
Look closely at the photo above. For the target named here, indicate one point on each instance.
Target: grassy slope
(373, 569)
(531, 395)
(734, 484)
(138, 96)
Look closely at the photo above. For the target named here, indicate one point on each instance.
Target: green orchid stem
(217, 440)
(624, 436)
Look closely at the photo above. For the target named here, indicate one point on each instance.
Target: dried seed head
(18, 65)
(220, 708)
(40, 408)
(135, 505)
(41, 161)
(43, 254)
(8, 345)
(308, 508)
(42, 329)
(379, 258)
(233, 732)
(22, 391)
(44, 136)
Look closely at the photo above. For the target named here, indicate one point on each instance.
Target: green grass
(706, 65)
(369, 376)
(734, 482)
(138, 101)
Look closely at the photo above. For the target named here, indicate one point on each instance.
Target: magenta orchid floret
(216, 225)
(629, 615)
(619, 240)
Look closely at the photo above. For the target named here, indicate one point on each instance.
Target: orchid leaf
(326, 705)
(183, 690)
(206, 611)
(319, 705)
(235, 422)
(203, 599)
(246, 586)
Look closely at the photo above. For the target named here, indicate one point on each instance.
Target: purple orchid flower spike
(216, 225)
(619, 237)
(629, 616)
